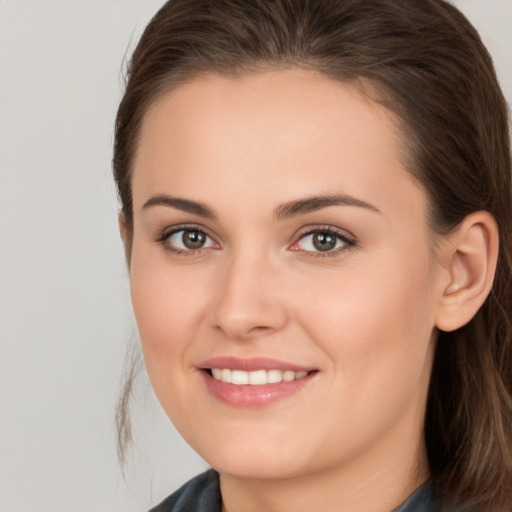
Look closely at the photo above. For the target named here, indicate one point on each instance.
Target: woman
(316, 211)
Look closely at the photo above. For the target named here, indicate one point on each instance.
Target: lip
(252, 364)
(247, 396)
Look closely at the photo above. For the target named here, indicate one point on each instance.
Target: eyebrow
(314, 203)
(186, 205)
(282, 212)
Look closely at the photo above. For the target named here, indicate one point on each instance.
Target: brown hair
(427, 64)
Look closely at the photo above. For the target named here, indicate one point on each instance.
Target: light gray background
(65, 318)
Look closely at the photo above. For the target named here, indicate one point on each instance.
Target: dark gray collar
(420, 501)
(202, 494)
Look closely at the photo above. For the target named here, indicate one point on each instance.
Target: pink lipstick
(254, 382)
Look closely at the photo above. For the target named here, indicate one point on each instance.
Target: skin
(363, 316)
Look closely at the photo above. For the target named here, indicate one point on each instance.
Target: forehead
(272, 131)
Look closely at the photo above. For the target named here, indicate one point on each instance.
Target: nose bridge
(248, 302)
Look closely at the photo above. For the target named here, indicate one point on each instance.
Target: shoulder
(202, 493)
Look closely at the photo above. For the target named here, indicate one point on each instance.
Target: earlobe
(471, 257)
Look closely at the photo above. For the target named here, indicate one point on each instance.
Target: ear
(126, 236)
(470, 256)
(121, 222)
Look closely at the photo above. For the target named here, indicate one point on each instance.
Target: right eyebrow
(186, 205)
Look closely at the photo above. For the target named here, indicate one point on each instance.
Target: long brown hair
(424, 61)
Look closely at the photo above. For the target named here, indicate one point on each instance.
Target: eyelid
(169, 230)
(348, 239)
(166, 233)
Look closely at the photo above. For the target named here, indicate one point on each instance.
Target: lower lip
(248, 396)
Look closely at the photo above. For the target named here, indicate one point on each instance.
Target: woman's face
(278, 240)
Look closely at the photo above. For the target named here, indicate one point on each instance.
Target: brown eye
(187, 240)
(193, 239)
(324, 241)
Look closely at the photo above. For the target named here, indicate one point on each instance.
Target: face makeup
(253, 382)
(282, 276)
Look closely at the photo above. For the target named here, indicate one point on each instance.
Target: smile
(255, 382)
(257, 377)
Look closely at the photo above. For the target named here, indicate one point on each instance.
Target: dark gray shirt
(202, 494)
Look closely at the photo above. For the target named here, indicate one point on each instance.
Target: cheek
(375, 319)
(167, 302)
(374, 326)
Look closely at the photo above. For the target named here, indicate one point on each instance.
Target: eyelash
(166, 235)
(348, 242)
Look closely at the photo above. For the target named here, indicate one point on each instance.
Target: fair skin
(346, 289)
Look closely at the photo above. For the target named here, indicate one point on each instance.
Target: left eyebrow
(314, 203)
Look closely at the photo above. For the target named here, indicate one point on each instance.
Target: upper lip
(252, 364)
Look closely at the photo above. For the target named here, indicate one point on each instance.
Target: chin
(256, 460)
(262, 469)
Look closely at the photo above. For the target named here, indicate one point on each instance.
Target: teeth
(255, 378)
(239, 377)
(274, 376)
(288, 376)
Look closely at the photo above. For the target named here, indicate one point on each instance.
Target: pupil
(324, 241)
(193, 239)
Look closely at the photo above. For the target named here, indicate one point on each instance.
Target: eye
(323, 241)
(187, 240)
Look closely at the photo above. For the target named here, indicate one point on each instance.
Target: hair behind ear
(469, 411)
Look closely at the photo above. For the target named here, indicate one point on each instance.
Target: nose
(249, 302)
